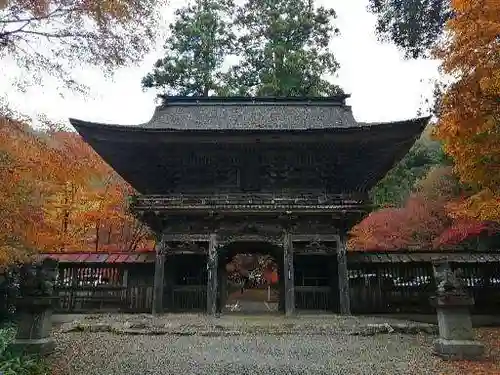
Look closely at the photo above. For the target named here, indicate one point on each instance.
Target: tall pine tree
(284, 49)
(200, 40)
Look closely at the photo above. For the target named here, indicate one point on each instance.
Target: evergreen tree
(413, 25)
(284, 50)
(201, 38)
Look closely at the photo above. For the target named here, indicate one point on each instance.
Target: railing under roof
(251, 200)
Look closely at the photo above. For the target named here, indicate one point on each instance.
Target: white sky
(383, 86)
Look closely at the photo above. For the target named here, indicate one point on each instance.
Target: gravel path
(110, 354)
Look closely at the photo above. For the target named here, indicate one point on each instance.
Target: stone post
(34, 307)
(452, 303)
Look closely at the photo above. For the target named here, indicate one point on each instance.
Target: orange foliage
(413, 226)
(24, 175)
(470, 110)
(56, 194)
(423, 223)
(89, 207)
(97, 9)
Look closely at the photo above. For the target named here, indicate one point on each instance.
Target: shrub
(12, 364)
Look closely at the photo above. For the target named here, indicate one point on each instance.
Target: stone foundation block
(458, 349)
(40, 347)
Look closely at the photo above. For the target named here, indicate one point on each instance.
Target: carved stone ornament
(448, 281)
(38, 279)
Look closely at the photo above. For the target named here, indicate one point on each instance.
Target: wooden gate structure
(214, 172)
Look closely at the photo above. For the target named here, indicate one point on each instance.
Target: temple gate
(290, 173)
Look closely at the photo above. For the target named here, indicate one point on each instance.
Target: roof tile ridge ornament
(173, 100)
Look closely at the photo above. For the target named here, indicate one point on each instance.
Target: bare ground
(252, 351)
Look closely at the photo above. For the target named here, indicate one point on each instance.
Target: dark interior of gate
(185, 287)
(316, 283)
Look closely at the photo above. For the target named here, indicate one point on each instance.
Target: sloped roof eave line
(79, 124)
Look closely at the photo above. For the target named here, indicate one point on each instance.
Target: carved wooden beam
(243, 237)
(184, 237)
(315, 237)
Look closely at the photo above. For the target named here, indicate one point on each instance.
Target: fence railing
(313, 298)
(189, 297)
(391, 288)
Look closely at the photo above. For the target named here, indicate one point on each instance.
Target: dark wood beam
(289, 278)
(159, 277)
(213, 280)
(343, 274)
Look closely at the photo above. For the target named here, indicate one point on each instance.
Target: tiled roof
(398, 257)
(143, 257)
(259, 115)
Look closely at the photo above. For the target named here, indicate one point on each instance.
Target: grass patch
(12, 364)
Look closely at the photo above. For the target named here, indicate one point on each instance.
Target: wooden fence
(104, 287)
(403, 282)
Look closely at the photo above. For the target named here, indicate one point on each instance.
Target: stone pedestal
(33, 332)
(456, 337)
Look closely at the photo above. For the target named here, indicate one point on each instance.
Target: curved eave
(137, 153)
(122, 133)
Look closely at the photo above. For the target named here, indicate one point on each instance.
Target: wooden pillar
(168, 283)
(334, 283)
(222, 295)
(158, 278)
(213, 280)
(344, 298)
(288, 270)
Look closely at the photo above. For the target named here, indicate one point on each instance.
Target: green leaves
(280, 48)
(201, 38)
(284, 49)
(413, 25)
(397, 185)
(13, 364)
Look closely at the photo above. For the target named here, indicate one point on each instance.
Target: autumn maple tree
(56, 194)
(423, 222)
(24, 181)
(88, 206)
(469, 123)
(415, 225)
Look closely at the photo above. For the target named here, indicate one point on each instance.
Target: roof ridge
(177, 99)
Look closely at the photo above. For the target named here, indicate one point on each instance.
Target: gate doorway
(251, 278)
